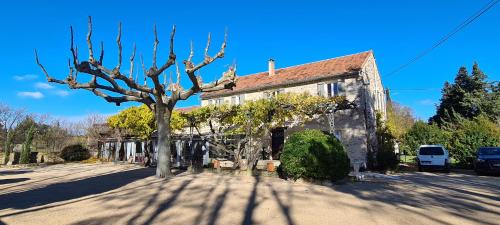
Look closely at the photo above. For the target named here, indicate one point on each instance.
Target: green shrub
(469, 135)
(422, 133)
(75, 153)
(313, 154)
(386, 156)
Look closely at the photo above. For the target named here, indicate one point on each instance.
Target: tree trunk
(164, 141)
(8, 140)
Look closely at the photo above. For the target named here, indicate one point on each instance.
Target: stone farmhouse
(354, 76)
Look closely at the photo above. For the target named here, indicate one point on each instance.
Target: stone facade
(355, 127)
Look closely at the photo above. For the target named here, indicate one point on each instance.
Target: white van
(433, 156)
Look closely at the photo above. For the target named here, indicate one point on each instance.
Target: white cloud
(426, 102)
(61, 93)
(30, 94)
(25, 77)
(42, 85)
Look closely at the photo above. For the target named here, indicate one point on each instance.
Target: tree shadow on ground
(219, 202)
(13, 180)
(285, 209)
(14, 172)
(164, 206)
(251, 204)
(72, 190)
(446, 193)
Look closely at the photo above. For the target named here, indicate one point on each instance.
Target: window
(431, 151)
(210, 102)
(219, 101)
(235, 100)
(274, 93)
(334, 89)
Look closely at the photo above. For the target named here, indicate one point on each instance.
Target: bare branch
(143, 67)
(119, 43)
(191, 52)
(132, 57)
(171, 57)
(207, 57)
(172, 34)
(73, 52)
(116, 100)
(227, 81)
(70, 75)
(191, 69)
(101, 57)
(178, 81)
(144, 70)
(89, 41)
(155, 47)
(49, 79)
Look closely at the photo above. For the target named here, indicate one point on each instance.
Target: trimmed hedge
(313, 154)
(75, 152)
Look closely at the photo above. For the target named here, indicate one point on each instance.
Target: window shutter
(242, 99)
(321, 89)
(341, 87)
(233, 100)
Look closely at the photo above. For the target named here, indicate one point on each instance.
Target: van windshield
(431, 151)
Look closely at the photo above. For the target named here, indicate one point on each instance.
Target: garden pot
(270, 167)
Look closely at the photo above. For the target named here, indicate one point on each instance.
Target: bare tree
(9, 118)
(94, 127)
(161, 98)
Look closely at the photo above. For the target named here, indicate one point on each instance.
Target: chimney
(271, 67)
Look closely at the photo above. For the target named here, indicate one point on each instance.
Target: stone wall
(356, 126)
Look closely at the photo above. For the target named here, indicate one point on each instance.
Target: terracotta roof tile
(296, 74)
(187, 109)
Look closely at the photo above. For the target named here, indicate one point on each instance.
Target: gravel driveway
(127, 194)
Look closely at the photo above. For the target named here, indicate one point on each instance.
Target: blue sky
(291, 32)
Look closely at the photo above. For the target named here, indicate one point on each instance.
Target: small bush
(313, 154)
(75, 153)
(470, 135)
(386, 156)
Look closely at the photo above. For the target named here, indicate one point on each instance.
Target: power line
(416, 89)
(448, 36)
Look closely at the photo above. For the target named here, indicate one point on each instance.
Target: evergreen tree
(469, 96)
(26, 152)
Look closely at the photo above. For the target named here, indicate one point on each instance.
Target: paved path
(125, 194)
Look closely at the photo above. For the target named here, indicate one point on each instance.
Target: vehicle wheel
(479, 173)
(420, 169)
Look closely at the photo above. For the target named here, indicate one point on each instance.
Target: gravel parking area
(128, 194)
